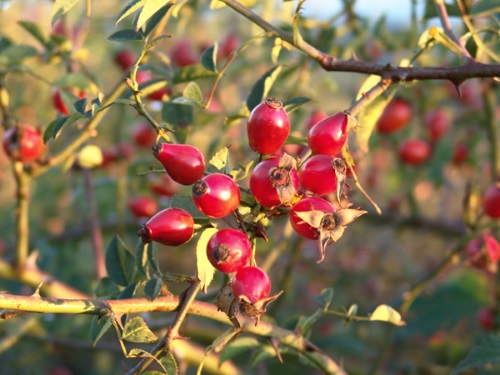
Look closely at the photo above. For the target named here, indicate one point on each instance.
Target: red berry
(23, 143)
(268, 127)
(216, 195)
(142, 207)
(228, 45)
(144, 135)
(414, 152)
(486, 318)
(315, 117)
(164, 185)
(313, 205)
(329, 135)
(274, 181)
(482, 251)
(460, 154)
(318, 175)
(170, 227)
(183, 54)
(125, 59)
(159, 94)
(437, 123)
(252, 284)
(397, 114)
(491, 201)
(184, 163)
(229, 250)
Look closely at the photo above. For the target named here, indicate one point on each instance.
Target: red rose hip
(274, 181)
(170, 227)
(312, 205)
(251, 284)
(491, 201)
(216, 195)
(184, 163)
(143, 207)
(229, 250)
(23, 143)
(330, 134)
(144, 135)
(437, 123)
(268, 127)
(317, 175)
(414, 152)
(397, 114)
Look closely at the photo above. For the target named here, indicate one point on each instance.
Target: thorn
(457, 85)
(353, 56)
(274, 343)
(36, 293)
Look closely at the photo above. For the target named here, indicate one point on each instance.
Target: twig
(95, 227)
(22, 213)
(388, 71)
(285, 337)
(167, 341)
(445, 21)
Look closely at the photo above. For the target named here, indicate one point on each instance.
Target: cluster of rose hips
(416, 151)
(277, 184)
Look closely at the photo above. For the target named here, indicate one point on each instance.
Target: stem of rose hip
(23, 181)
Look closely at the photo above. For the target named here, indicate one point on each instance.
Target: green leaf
(191, 95)
(80, 105)
(129, 291)
(220, 162)
(191, 73)
(179, 115)
(169, 364)
(15, 54)
(484, 353)
(35, 31)
(106, 288)
(155, 41)
(209, 58)
(325, 298)
(187, 204)
(125, 35)
(129, 9)
(136, 330)
(149, 9)
(204, 268)
(156, 18)
(99, 326)
(237, 347)
(60, 8)
(263, 352)
(385, 313)
(141, 259)
(119, 262)
(4, 43)
(368, 117)
(485, 8)
(73, 80)
(262, 86)
(152, 288)
(305, 323)
(153, 256)
(294, 103)
(54, 128)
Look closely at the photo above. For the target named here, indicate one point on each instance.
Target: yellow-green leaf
(204, 267)
(136, 330)
(385, 313)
